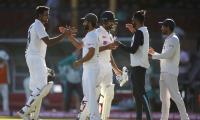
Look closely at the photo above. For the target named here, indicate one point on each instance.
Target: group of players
(97, 61)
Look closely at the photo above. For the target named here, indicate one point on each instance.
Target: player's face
(109, 25)
(164, 29)
(86, 25)
(134, 23)
(45, 17)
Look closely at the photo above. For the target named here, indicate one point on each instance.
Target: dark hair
(140, 15)
(40, 10)
(92, 18)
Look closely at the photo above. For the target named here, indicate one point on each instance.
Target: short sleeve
(40, 30)
(92, 41)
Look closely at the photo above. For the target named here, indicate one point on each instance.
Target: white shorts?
(38, 71)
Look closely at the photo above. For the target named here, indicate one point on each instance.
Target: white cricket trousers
(169, 89)
(5, 96)
(89, 82)
(38, 72)
(106, 74)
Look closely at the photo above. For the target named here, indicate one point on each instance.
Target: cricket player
(169, 64)
(37, 43)
(139, 61)
(106, 62)
(90, 46)
(105, 86)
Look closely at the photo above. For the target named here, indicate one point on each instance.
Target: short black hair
(140, 15)
(40, 10)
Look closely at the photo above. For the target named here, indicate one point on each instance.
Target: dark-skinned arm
(76, 43)
(54, 40)
(86, 58)
(114, 66)
(138, 40)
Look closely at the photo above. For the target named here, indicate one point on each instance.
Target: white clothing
(35, 44)
(91, 73)
(5, 96)
(170, 56)
(169, 89)
(140, 57)
(105, 38)
(38, 72)
(91, 41)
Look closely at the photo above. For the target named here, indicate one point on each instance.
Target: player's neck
(41, 21)
(91, 29)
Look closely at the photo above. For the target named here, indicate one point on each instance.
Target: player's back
(35, 45)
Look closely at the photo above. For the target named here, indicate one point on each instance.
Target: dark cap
(108, 15)
(90, 17)
(168, 23)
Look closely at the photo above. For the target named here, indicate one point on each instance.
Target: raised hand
(112, 46)
(68, 31)
(130, 27)
(151, 51)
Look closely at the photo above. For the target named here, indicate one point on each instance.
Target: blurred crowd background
(17, 15)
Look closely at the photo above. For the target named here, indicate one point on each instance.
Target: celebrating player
(90, 63)
(139, 61)
(106, 62)
(169, 64)
(37, 43)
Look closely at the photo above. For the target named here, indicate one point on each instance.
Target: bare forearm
(86, 58)
(114, 66)
(75, 42)
(55, 40)
(102, 48)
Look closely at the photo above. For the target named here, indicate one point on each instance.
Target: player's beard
(86, 27)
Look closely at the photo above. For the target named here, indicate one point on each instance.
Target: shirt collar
(170, 35)
(103, 29)
(36, 20)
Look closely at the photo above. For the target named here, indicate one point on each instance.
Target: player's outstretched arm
(110, 46)
(69, 33)
(54, 40)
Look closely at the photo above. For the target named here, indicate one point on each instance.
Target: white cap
(4, 55)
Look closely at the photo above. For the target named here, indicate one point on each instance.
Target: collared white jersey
(170, 56)
(105, 38)
(35, 44)
(91, 40)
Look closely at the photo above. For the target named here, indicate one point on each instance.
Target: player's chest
(105, 40)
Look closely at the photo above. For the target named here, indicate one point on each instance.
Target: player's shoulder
(38, 24)
(92, 34)
(174, 38)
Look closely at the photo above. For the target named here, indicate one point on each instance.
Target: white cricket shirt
(35, 44)
(105, 38)
(170, 56)
(91, 40)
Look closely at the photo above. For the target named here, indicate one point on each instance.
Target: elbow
(133, 51)
(79, 47)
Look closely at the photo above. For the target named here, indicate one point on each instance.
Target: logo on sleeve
(105, 42)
